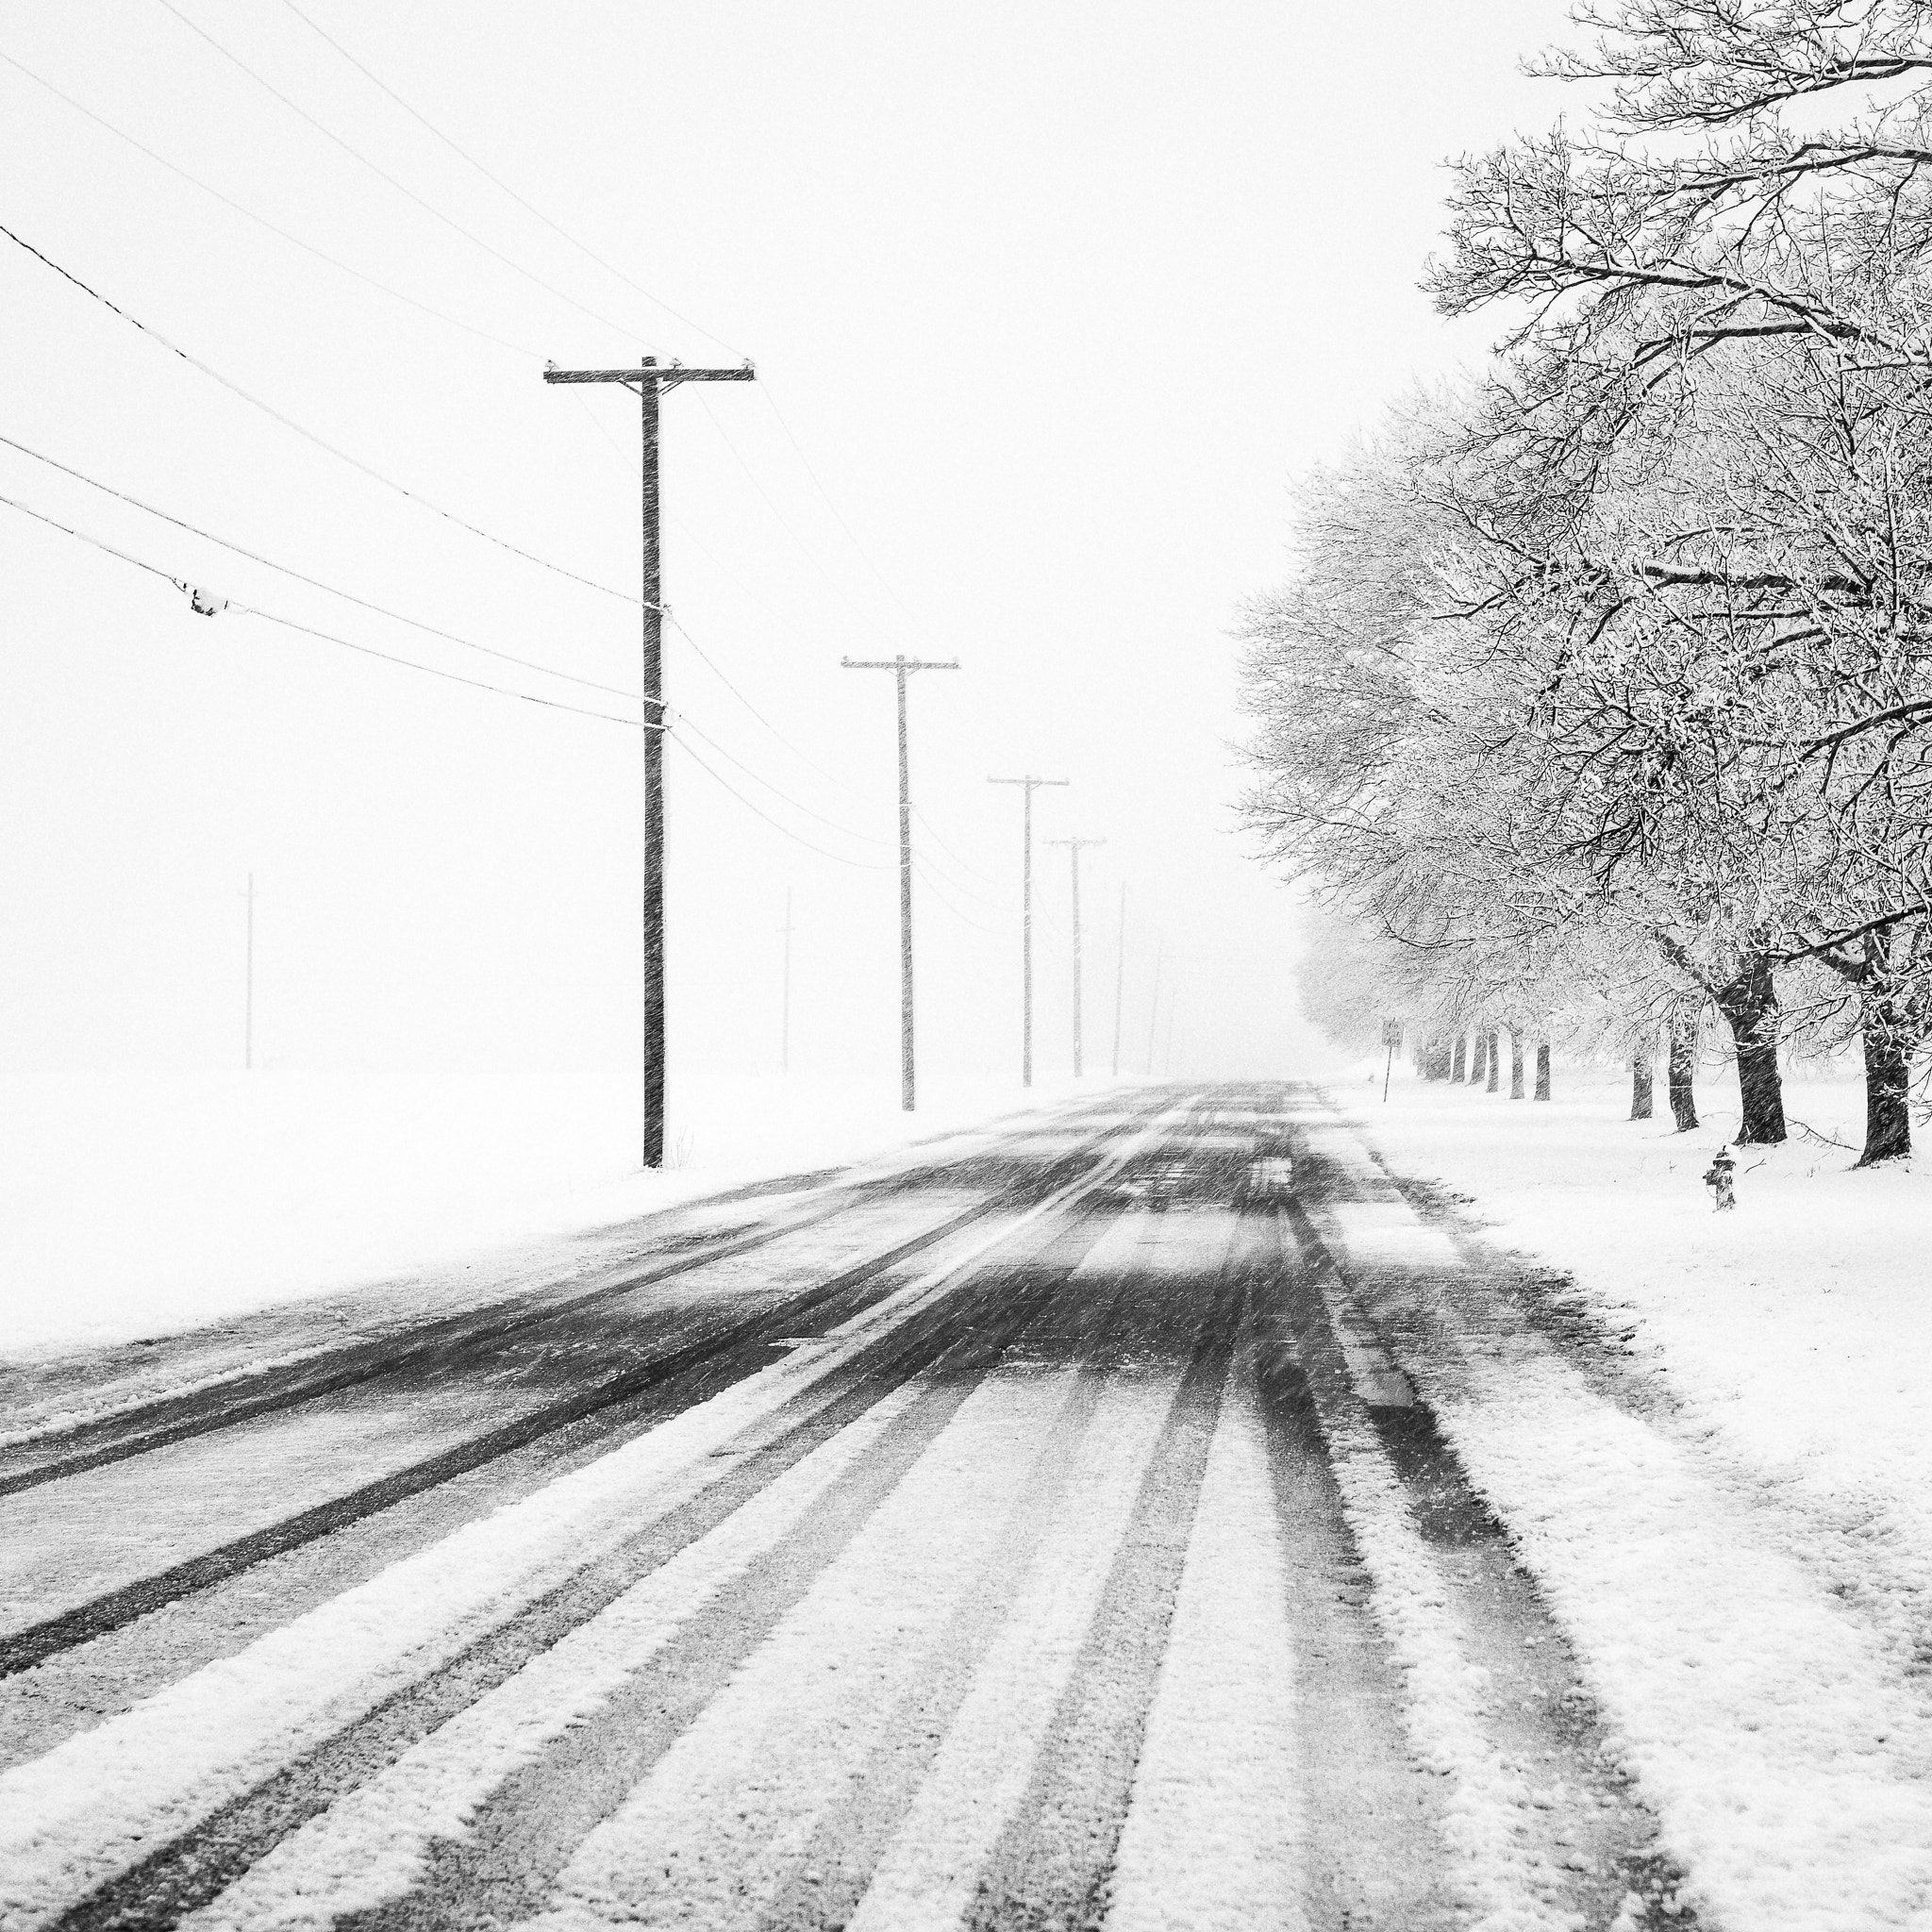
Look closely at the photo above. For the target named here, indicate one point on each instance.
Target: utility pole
(903, 667)
(649, 380)
(1120, 979)
(1031, 785)
(785, 999)
(248, 986)
(1074, 846)
(1173, 1000)
(1154, 1008)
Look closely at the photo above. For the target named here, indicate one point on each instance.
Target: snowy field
(139, 1204)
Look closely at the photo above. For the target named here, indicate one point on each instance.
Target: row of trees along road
(1602, 694)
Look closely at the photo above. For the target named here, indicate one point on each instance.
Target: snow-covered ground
(1797, 1328)
(139, 1204)
(1747, 1571)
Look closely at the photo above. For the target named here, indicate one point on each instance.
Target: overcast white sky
(1054, 298)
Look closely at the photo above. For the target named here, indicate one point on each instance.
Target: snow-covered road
(1095, 1526)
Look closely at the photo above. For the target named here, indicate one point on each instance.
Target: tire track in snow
(94, 1807)
(1049, 1701)
(95, 1404)
(1536, 1817)
(521, 1829)
(1372, 1850)
(437, 1344)
(1213, 1839)
(732, 1349)
(737, 1349)
(138, 1420)
(723, 1818)
(1050, 1864)
(376, 1842)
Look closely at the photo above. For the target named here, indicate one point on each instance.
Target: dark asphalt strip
(741, 1346)
(964, 1335)
(1052, 1865)
(502, 1870)
(831, 1875)
(448, 1338)
(198, 1412)
(153, 1424)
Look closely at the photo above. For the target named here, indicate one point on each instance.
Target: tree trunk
(1891, 1034)
(1515, 1063)
(1436, 1061)
(1643, 1084)
(1887, 1123)
(1749, 1004)
(1683, 1069)
(1495, 1043)
(1478, 1058)
(1542, 1070)
(1457, 1067)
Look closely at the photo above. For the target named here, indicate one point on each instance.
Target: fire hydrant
(1720, 1179)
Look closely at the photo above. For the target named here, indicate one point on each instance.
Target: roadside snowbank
(1797, 1330)
(1747, 1571)
(142, 1203)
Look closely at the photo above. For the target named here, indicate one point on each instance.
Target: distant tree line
(1600, 697)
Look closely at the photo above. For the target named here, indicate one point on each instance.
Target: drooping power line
(315, 583)
(262, 221)
(686, 721)
(382, 174)
(321, 442)
(496, 181)
(212, 605)
(797, 839)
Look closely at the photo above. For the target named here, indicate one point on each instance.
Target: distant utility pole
(1120, 979)
(785, 998)
(1154, 1008)
(1074, 846)
(1031, 785)
(650, 381)
(903, 667)
(1174, 1001)
(248, 986)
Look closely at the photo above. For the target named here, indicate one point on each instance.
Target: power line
(688, 723)
(931, 881)
(262, 221)
(435, 671)
(806, 759)
(863, 864)
(316, 583)
(804, 549)
(965, 884)
(836, 513)
(212, 607)
(711, 665)
(382, 175)
(268, 409)
(496, 181)
(787, 624)
(964, 865)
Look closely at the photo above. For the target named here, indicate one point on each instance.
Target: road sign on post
(1391, 1038)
